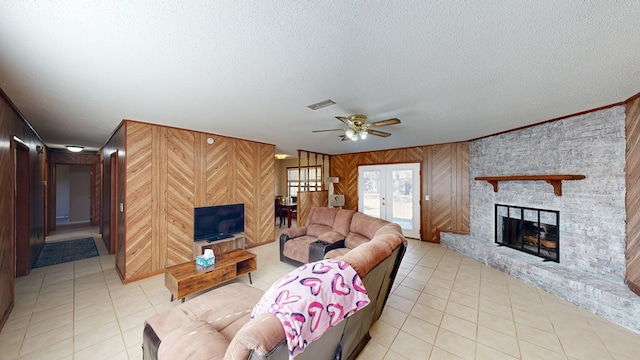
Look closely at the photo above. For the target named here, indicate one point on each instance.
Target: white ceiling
(450, 70)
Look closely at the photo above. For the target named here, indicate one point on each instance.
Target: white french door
(391, 192)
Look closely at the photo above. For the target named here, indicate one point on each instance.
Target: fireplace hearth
(531, 230)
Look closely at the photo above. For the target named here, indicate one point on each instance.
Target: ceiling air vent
(321, 104)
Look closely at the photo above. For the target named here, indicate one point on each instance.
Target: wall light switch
(426, 197)
(121, 207)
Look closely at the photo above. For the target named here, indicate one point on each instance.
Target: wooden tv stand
(199, 246)
(188, 278)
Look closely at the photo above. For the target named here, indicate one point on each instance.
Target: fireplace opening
(534, 231)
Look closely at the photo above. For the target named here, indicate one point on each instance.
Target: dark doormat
(65, 251)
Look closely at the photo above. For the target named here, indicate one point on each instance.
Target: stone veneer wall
(592, 211)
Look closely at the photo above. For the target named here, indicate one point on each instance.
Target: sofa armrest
(319, 248)
(262, 335)
(295, 232)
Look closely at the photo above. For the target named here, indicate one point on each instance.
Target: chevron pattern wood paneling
(265, 232)
(243, 186)
(139, 201)
(633, 194)
(218, 178)
(180, 174)
(442, 186)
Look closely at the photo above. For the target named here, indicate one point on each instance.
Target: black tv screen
(213, 223)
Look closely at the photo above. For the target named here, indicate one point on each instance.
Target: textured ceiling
(451, 70)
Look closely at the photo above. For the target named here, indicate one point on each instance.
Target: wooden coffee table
(189, 278)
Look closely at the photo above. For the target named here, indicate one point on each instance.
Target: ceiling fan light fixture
(349, 133)
(363, 134)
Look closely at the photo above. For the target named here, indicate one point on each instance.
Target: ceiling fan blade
(385, 122)
(344, 120)
(328, 130)
(343, 137)
(378, 133)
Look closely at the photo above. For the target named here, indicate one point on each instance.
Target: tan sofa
(217, 325)
(329, 233)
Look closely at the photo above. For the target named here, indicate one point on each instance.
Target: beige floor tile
(539, 337)
(437, 291)
(498, 310)
(103, 350)
(414, 284)
(432, 301)
(400, 303)
(461, 311)
(10, 351)
(459, 326)
(407, 293)
(529, 351)
(420, 329)
(93, 336)
(383, 333)
(410, 346)
(47, 339)
(507, 327)
(484, 352)
(60, 350)
(498, 341)
(392, 355)
(455, 344)
(393, 317)
(464, 299)
(50, 324)
(373, 351)
(439, 354)
(427, 314)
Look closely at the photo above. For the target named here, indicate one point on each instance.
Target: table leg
(172, 298)
(250, 281)
(182, 300)
(288, 218)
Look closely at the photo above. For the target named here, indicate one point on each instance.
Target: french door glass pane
(402, 201)
(371, 191)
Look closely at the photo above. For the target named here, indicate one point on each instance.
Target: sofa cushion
(318, 229)
(362, 228)
(198, 340)
(342, 221)
(298, 248)
(322, 216)
(332, 254)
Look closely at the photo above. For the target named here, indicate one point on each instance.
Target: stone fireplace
(590, 247)
(530, 230)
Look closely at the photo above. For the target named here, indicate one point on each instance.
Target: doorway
(391, 192)
(73, 195)
(22, 220)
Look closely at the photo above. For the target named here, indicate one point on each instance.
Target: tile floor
(443, 306)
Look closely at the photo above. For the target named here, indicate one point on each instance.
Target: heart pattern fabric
(312, 299)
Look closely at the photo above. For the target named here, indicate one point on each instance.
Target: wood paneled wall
(168, 172)
(444, 177)
(60, 157)
(633, 194)
(308, 200)
(13, 124)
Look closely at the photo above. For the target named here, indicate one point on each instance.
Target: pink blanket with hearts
(312, 299)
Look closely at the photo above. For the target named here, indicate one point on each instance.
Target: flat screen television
(213, 223)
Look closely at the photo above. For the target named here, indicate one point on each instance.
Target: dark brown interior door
(113, 203)
(23, 262)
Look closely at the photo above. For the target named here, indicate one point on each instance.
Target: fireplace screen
(535, 231)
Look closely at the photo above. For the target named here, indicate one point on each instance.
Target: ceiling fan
(357, 127)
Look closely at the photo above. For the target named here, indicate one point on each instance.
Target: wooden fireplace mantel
(554, 180)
